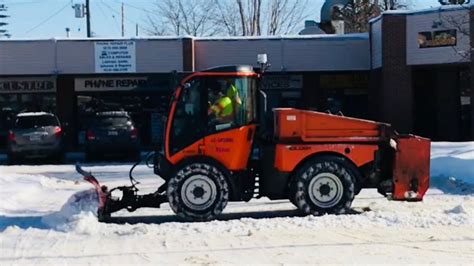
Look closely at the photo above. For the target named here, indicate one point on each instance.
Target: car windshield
(25, 122)
(112, 121)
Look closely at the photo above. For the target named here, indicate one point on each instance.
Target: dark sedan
(112, 133)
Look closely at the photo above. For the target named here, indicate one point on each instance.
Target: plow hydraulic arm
(130, 200)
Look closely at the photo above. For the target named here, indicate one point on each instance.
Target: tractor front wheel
(198, 191)
(324, 185)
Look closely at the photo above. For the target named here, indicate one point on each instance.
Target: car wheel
(324, 185)
(198, 191)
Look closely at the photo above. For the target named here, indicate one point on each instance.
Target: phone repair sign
(115, 57)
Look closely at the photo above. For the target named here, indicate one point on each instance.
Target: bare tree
(284, 16)
(3, 30)
(261, 17)
(178, 17)
(228, 17)
(385, 5)
(356, 14)
(460, 22)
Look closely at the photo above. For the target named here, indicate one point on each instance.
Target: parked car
(112, 133)
(35, 135)
(7, 117)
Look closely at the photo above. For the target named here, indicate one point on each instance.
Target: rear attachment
(411, 168)
(130, 199)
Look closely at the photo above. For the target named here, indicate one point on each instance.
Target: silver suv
(35, 135)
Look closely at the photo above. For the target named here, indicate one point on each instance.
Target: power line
(108, 17)
(117, 13)
(135, 7)
(25, 3)
(47, 19)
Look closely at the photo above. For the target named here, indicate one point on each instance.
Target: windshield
(25, 122)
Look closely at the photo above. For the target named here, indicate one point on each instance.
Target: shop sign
(110, 84)
(440, 38)
(284, 82)
(115, 57)
(343, 81)
(27, 85)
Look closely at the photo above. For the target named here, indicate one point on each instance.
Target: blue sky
(50, 18)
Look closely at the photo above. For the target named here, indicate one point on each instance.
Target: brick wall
(472, 69)
(396, 98)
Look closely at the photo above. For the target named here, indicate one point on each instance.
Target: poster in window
(115, 57)
(440, 38)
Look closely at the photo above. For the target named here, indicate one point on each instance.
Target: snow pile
(79, 209)
(459, 209)
(26, 194)
(452, 166)
(451, 185)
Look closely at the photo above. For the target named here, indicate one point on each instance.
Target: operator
(222, 108)
(233, 94)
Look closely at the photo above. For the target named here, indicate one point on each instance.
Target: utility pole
(123, 24)
(136, 30)
(88, 19)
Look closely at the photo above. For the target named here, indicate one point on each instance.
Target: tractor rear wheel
(198, 191)
(324, 185)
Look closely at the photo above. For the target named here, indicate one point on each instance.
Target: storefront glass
(346, 94)
(19, 95)
(146, 100)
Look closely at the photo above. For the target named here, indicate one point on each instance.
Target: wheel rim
(198, 192)
(325, 190)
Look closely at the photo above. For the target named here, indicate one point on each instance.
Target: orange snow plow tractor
(221, 144)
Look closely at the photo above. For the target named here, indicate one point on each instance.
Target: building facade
(412, 69)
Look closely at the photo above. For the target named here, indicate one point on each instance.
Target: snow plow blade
(411, 168)
(130, 200)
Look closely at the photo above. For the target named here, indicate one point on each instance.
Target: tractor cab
(213, 113)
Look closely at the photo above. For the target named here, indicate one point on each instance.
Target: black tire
(323, 185)
(199, 191)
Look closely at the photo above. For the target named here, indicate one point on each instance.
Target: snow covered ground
(42, 222)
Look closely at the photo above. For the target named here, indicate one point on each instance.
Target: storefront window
(346, 94)
(13, 103)
(465, 93)
(146, 111)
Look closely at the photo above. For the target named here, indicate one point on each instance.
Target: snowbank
(48, 216)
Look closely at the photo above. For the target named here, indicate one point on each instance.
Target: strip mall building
(412, 69)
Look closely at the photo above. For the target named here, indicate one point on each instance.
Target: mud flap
(411, 168)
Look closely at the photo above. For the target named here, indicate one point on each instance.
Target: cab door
(229, 139)
(187, 122)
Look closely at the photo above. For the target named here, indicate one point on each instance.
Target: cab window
(187, 125)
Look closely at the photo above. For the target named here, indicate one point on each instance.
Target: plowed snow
(47, 217)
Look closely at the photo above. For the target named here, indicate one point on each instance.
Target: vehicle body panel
(289, 156)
